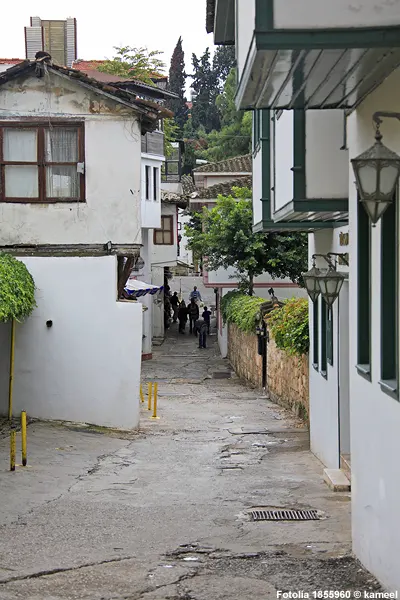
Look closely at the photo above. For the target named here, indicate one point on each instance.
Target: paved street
(165, 513)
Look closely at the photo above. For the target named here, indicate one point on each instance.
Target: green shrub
(17, 289)
(241, 309)
(289, 326)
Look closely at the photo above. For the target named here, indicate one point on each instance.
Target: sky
(156, 24)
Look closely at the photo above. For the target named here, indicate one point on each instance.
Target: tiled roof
(188, 185)
(238, 164)
(151, 111)
(225, 188)
(11, 61)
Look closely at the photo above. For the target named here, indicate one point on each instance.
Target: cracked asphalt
(164, 513)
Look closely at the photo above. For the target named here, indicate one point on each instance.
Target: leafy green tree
(134, 63)
(176, 84)
(205, 88)
(223, 62)
(227, 240)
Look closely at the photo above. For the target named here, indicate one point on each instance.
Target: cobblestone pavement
(164, 513)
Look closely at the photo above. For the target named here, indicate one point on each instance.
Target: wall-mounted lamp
(377, 171)
(327, 282)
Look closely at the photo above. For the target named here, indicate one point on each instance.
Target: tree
(223, 62)
(205, 87)
(176, 84)
(227, 240)
(134, 63)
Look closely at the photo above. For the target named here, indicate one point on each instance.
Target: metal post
(155, 402)
(13, 436)
(149, 398)
(23, 438)
(141, 394)
(11, 379)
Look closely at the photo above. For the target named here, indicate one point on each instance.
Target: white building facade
(314, 73)
(70, 208)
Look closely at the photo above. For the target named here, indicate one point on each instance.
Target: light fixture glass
(330, 283)
(311, 282)
(377, 171)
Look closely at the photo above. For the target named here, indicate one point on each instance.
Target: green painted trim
(329, 336)
(266, 164)
(324, 364)
(364, 371)
(321, 39)
(306, 226)
(389, 282)
(315, 206)
(315, 334)
(264, 15)
(363, 287)
(299, 154)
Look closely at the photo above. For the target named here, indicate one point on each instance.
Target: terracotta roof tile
(238, 164)
(11, 61)
(224, 189)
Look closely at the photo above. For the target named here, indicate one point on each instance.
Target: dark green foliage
(17, 289)
(134, 63)
(223, 62)
(227, 240)
(289, 326)
(241, 309)
(176, 84)
(205, 87)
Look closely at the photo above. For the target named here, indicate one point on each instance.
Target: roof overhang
(221, 20)
(334, 68)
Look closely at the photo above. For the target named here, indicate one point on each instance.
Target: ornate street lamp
(377, 171)
(327, 282)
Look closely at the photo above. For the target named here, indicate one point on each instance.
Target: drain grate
(285, 515)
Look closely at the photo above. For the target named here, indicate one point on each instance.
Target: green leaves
(17, 289)
(134, 63)
(289, 326)
(241, 309)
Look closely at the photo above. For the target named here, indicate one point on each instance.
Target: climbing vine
(17, 289)
(289, 326)
(242, 310)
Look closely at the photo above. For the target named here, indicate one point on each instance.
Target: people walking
(207, 318)
(194, 313)
(201, 328)
(175, 306)
(182, 316)
(195, 295)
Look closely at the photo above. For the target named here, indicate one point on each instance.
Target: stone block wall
(288, 380)
(243, 355)
(287, 376)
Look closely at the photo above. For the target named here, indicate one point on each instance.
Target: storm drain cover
(285, 515)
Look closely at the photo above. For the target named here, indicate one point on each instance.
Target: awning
(138, 289)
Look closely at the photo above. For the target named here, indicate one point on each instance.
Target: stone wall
(288, 380)
(243, 355)
(287, 376)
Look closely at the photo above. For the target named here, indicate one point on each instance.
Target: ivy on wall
(242, 310)
(289, 326)
(17, 289)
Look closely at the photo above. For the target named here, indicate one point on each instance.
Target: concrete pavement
(165, 512)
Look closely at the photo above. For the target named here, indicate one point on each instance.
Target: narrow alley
(165, 513)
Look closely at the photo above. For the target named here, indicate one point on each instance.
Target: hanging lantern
(330, 283)
(311, 282)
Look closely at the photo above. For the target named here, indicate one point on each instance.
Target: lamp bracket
(328, 257)
(383, 114)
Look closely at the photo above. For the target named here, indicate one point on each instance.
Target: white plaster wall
(222, 329)
(375, 416)
(283, 149)
(112, 164)
(341, 13)
(257, 187)
(327, 166)
(151, 209)
(161, 255)
(246, 14)
(186, 255)
(284, 287)
(157, 275)
(147, 301)
(210, 180)
(86, 367)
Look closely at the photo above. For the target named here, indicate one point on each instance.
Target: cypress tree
(176, 84)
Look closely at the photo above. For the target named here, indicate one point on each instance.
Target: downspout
(11, 379)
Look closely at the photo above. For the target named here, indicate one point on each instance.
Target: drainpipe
(11, 379)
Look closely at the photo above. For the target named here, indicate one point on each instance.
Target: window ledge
(390, 387)
(324, 374)
(315, 366)
(364, 371)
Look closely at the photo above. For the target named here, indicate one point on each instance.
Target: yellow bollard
(141, 394)
(23, 437)
(149, 398)
(13, 437)
(155, 402)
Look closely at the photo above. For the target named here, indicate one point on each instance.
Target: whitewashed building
(70, 208)
(314, 73)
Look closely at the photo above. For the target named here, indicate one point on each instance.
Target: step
(345, 465)
(337, 480)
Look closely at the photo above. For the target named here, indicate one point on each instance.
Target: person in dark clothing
(182, 316)
(194, 313)
(175, 306)
(201, 328)
(207, 317)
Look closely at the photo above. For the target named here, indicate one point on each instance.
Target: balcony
(300, 171)
(153, 143)
(310, 54)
